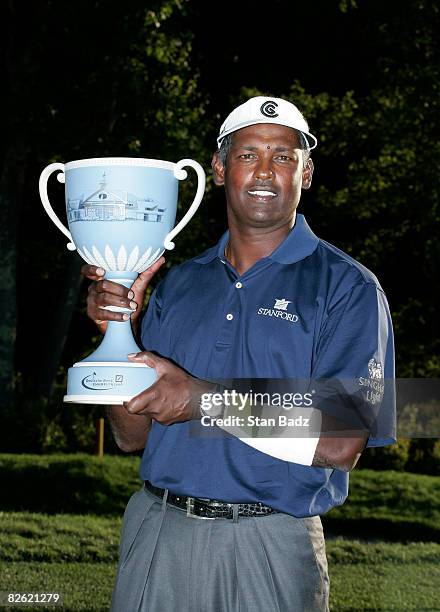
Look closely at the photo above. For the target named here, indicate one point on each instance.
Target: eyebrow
(281, 149)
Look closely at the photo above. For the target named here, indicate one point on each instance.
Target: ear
(218, 170)
(307, 174)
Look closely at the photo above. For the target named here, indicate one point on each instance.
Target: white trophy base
(117, 400)
(107, 382)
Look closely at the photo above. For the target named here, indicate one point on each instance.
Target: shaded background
(156, 79)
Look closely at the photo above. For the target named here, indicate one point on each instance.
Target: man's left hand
(173, 398)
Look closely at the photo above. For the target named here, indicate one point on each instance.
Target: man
(223, 523)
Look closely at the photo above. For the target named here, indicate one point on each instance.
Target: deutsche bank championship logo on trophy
(121, 213)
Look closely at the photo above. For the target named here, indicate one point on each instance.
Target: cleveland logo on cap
(268, 108)
(258, 109)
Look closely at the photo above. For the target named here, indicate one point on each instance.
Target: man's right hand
(107, 293)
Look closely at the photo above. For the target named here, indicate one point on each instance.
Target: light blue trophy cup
(121, 213)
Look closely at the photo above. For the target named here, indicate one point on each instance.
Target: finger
(102, 316)
(97, 304)
(101, 300)
(145, 276)
(99, 314)
(140, 404)
(107, 286)
(150, 359)
(92, 272)
(155, 266)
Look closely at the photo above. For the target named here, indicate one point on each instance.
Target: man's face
(263, 177)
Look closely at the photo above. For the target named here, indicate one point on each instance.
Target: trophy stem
(118, 342)
(107, 376)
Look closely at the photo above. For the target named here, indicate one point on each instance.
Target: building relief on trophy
(113, 205)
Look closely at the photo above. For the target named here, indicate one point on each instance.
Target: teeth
(263, 193)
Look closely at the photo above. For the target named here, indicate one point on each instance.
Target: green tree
(91, 80)
(375, 191)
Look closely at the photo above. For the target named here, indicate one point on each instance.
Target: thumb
(150, 359)
(144, 277)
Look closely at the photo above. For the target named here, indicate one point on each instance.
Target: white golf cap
(266, 110)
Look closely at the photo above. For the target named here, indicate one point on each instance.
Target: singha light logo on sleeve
(375, 369)
(279, 310)
(374, 383)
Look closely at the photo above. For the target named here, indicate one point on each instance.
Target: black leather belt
(198, 507)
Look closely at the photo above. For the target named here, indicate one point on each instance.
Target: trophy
(121, 213)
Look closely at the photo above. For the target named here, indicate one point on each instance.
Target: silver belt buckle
(190, 510)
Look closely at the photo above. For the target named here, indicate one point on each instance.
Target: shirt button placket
(230, 316)
(229, 330)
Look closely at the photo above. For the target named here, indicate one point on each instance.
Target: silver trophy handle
(44, 176)
(181, 174)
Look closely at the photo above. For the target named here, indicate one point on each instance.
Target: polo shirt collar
(299, 244)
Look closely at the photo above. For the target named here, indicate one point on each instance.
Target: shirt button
(229, 316)
(238, 285)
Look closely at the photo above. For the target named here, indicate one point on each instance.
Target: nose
(264, 170)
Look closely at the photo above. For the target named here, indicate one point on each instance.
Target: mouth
(263, 195)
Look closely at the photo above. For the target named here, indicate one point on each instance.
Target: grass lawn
(83, 586)
(389, 505)
(60, 525)
(383, 576)
(76, 556)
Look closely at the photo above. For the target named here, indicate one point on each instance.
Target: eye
(291, 158)
(247, 156)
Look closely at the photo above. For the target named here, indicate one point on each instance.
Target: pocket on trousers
(135, 513)
(315, 536)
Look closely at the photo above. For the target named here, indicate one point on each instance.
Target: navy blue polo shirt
(217, 325)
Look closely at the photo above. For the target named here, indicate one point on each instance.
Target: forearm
(325, 452)
(130, 431)
(322, 441)
(339, 453)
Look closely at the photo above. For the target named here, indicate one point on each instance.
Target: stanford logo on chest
(279, 310)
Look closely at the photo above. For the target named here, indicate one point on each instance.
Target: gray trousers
(173, 563)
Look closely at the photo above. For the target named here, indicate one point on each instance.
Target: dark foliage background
(155, 78)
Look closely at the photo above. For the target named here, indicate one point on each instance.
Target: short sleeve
(353, 369)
